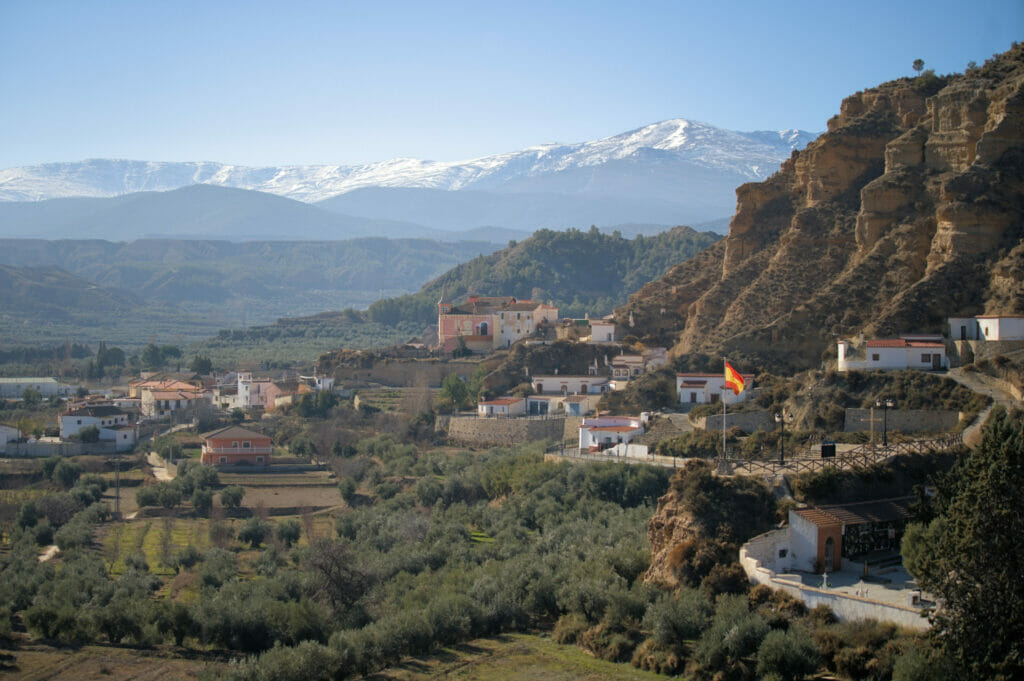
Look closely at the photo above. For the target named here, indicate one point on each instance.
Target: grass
(512, 657)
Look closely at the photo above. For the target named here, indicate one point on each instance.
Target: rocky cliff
(910, 208)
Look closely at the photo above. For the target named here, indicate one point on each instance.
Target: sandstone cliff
(910, 208)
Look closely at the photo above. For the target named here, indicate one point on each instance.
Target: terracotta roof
(98, 411)
(172, 394)
(997, 316)
(901, 343)
(859, 513)
(694, 384)
(234, 432)
(503, 401)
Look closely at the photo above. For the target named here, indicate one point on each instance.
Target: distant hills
(673, 172)
(910, 209)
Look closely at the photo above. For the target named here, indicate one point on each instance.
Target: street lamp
(886, 405)
(781, 418)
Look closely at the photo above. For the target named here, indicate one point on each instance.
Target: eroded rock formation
(910, 208)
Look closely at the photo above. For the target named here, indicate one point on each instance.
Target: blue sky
(273, 83)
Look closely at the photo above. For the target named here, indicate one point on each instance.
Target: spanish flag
(733, 379)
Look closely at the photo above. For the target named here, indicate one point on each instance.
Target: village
(844, 556)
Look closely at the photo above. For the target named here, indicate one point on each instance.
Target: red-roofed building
(502, 406)
(607, 431)
(699, 388)
(922, 352)
(236, 445)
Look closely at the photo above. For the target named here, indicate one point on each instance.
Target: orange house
(236, 445)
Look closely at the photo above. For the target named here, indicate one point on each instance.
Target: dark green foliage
(581, 272)
(89, 434)
(674, 618)
(187, 558)
(202, 501)
(787, 655)
(288, 532)
(254, 531)
(735, 633)
(969, 556)
(896, 477)
(231, 496)
(66, 473)
(201, 365)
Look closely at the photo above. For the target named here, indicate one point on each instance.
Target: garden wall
(902, 420)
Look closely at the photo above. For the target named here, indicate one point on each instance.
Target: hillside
(581, 272)
(192, 212)
(909, 209)
(33, 293)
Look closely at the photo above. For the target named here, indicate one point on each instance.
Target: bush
(254, 531)
(66, 473)
(232, 495)
(187, 558)
(288, 531)
(788, 655)
(202, 501)
(308, 661)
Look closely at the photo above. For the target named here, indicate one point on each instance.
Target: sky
(282, 83)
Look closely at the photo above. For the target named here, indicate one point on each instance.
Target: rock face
(909, 209)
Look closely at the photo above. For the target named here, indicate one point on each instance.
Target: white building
(570, 385)
(602, 331)
(14, 388)
(987, 328)
(910, 352)
(631, 366)
(112, 423)
(156, 404)
(607, 431)
(502, 406)
(701, 388)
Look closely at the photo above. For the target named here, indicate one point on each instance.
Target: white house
(893, 354)
(607, 431)
(7, 433)
(570, 385)
(113, 424)
(47, 387)
(701, 388)
(1008, 327)
(502, 406)
(602, 331)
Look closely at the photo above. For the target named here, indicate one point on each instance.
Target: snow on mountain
(753, 156)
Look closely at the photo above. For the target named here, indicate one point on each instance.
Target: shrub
(308, 661)
(202, 501)
(66, 473)
(788, 655)
(187, 558)
(254, 531)
(232, 495)
(288, 531)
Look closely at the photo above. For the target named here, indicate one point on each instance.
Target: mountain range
(667, 173)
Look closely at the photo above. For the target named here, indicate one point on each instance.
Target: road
(983, 385)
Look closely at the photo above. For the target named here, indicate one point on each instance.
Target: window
(223, 459)
(783, 553)
(926, 358)
(693, 398)
(79, 422)
(874, 357)
(246, 444)
(234, 444)
(259, 459)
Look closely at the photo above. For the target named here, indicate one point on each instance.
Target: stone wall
(484, 431)
(407, 373)
(747, 421)
(967, 351)
(754, 557)
(902, 420)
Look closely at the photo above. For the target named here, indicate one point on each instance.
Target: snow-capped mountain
(706, 153)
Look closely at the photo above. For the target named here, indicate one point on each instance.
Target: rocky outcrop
(909, 209)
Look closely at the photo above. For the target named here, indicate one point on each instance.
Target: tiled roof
(613, 429)
(901, 343)
(859, 513)
(234, 432)
(98, 412)
(503, 401)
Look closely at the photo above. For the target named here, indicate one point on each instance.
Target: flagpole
(724, 362)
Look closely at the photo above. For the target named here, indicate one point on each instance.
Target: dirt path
(51, 551)
(983, 385)
(160, 471)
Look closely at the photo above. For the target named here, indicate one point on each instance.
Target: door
(936, 361)
(830, 549)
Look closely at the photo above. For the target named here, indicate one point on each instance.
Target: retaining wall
(47, 449)
(747, 421)
(902, 420)
(967, 351)
(491, 431)
(759, 555)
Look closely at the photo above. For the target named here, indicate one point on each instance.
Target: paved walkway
(160, 471)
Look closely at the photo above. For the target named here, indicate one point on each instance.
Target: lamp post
(886, 405)
(781, 418)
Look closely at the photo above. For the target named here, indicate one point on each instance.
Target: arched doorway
(483, 328)
(830, 552)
